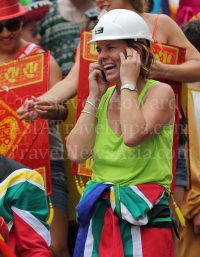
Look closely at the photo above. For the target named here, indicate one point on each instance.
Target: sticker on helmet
(98, 30)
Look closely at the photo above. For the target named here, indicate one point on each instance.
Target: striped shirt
(24, 207)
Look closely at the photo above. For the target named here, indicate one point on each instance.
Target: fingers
(21, 110)
(44, 102)
(41, 113)
(34, 99)
(24, 116)
(122, 57)
(44, 107)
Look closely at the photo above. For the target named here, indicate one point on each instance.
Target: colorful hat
(36, 9)
(11, 9)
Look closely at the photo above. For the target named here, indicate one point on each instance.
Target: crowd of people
(128, 130)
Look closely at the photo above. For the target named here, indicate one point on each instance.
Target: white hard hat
(120, 24)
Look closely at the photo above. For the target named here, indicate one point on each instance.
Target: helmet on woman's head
(120, 24)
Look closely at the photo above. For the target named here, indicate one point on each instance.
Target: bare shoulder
(39, 51)
(160, 91)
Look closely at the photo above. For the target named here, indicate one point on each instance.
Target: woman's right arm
(59, 93)
(66, 88)
(80, 141)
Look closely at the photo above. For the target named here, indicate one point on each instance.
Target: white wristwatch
(129, 86)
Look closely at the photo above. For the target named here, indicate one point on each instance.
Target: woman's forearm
(187, 72)
(132, 121)
(62, 91)
(80, 141)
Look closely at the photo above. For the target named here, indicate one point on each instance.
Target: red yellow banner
(88, 54)
(22, 141)
(172, 55)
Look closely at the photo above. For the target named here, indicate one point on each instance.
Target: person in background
(37, 11)
(60, 30)
(190, 235)
(59, 197)
(156, 6)
(186, 10)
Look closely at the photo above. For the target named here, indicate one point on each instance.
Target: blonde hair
(147, 56)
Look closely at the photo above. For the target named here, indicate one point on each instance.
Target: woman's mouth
(109, 68)
(6, 41)
(104, 7)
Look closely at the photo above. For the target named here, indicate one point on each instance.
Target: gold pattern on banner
(168, 54)
(89, 51)
(22, 72)
(85, 168)
(9, 130)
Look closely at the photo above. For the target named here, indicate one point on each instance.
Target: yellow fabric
(191, 200)
(189, 245)
(17, 177)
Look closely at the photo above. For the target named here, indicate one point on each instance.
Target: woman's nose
(5, 32)
(102, 55)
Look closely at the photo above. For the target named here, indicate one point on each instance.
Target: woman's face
(10, 33)
(30, 33)
(109, 58)
(113, 4)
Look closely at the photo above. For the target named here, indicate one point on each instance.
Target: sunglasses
(11, 25)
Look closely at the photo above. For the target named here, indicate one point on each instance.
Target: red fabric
(12, 241)
(151, 191)
(5, 250)
(177, 56)
(24, 142)
(111, 242)
(157, 242)
(29, 242)
(11, 9)
(4, 230)
(22, 51)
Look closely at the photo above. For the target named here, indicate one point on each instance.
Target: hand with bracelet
(47, 110)
(35, 108)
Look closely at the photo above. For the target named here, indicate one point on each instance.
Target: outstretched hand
(27, 110)
(46, 109)
(34, 108)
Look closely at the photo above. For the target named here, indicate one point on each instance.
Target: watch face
(132, 87)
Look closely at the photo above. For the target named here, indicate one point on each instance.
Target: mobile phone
(104, 76)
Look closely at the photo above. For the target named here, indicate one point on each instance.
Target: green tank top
(113, 161)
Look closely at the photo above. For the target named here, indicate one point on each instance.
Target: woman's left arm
(141, 122)
(188, 72)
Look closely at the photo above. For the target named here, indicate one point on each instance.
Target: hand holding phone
(104, 76)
